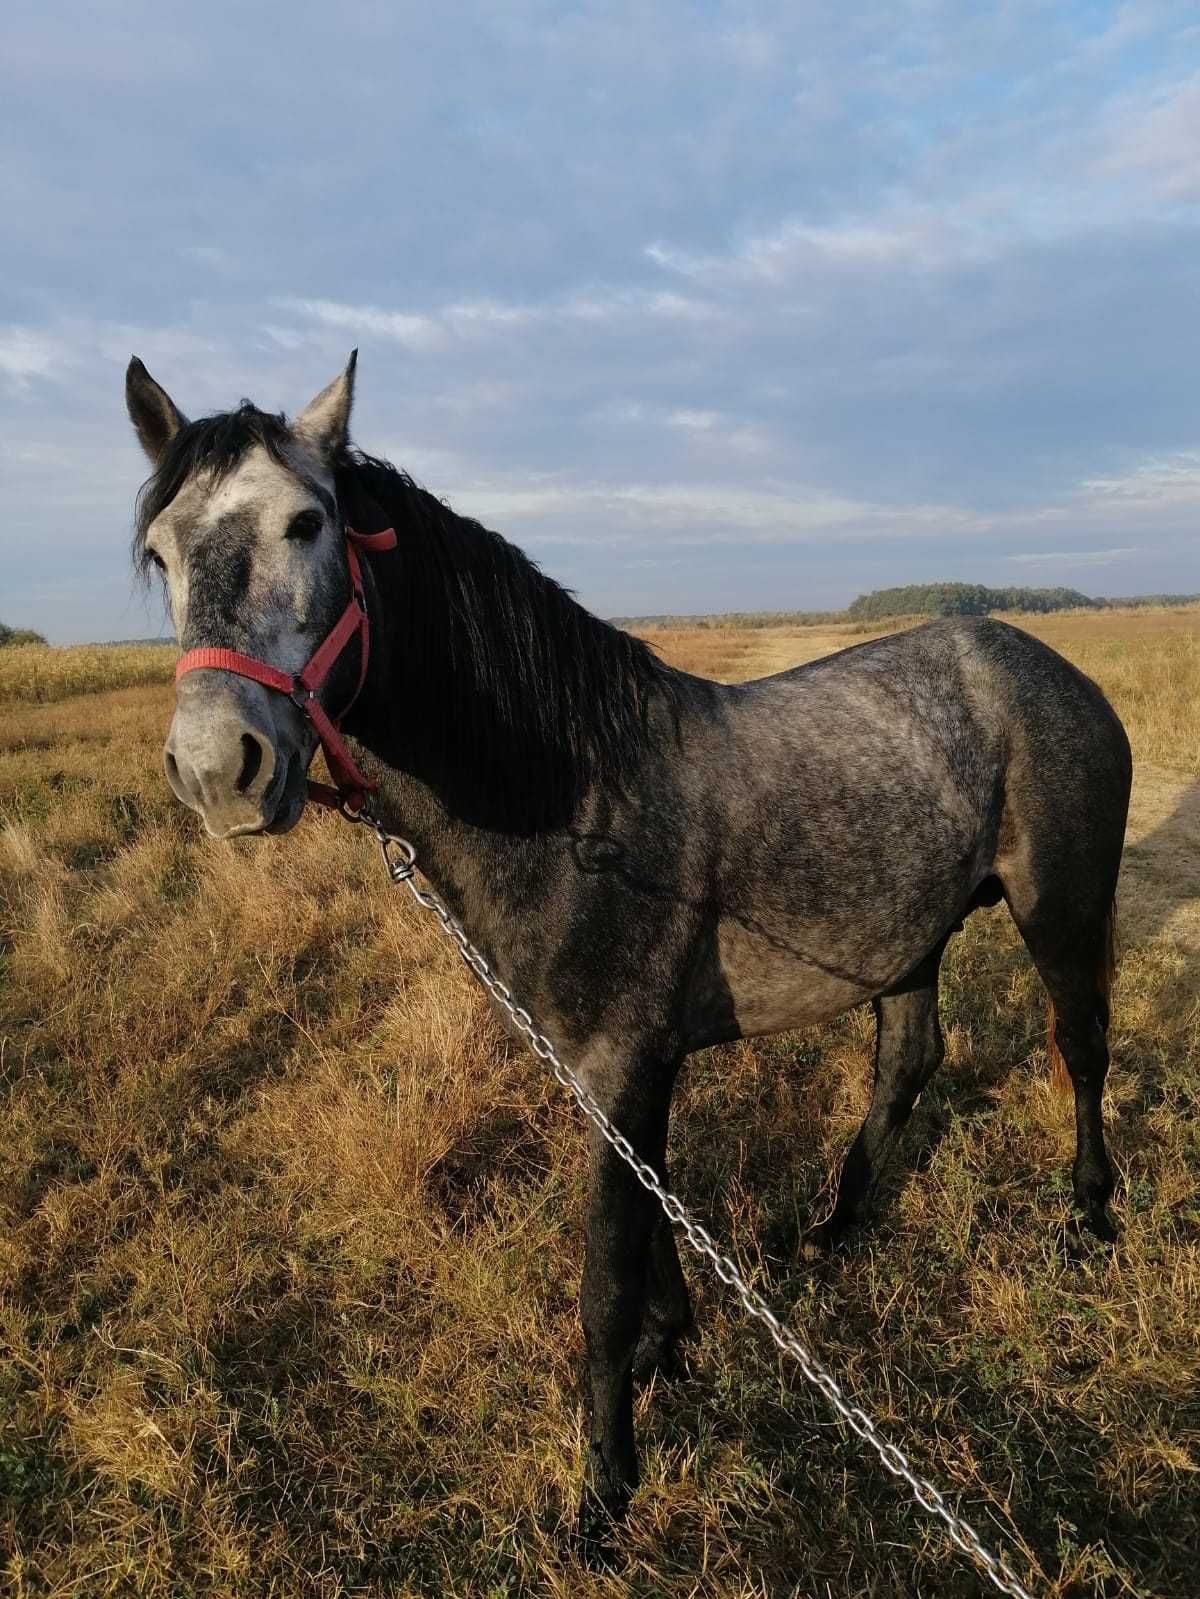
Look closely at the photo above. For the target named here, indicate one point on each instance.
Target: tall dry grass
(290, 1241)
(41, 672)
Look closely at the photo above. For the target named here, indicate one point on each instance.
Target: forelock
(212, 445)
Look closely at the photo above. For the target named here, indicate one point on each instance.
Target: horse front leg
(668, 1313)
(621, 1240)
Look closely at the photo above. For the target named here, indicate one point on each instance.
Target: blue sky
(707, 306)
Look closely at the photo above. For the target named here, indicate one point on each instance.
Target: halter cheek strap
(351, 785)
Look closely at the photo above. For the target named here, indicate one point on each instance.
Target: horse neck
(486, 853)
(496, 707)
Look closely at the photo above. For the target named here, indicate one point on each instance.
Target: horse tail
(1060, 1077)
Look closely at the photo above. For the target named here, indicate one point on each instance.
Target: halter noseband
(351, 785)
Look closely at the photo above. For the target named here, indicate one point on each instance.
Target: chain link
(400, 858)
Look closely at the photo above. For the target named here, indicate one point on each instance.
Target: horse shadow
(1161, 870)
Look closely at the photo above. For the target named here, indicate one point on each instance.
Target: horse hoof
(1093, 1221)
(819, 1242)
(1097, 1220)
(594, 1540)
(595, 1548)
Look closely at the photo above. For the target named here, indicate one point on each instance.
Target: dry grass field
(40, 673)
(290, 1236)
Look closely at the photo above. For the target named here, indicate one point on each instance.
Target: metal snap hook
(399, 857)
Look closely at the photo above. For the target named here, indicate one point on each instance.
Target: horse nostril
(172, 766)
(251, 761)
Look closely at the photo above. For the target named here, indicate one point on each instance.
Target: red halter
(351, 784)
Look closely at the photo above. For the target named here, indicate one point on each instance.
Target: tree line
(977, 599)
(18, 635)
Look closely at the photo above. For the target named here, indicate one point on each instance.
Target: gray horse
(653, 862)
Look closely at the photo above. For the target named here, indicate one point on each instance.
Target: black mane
(500, 688)
(506, 693)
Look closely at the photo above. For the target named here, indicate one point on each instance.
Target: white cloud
(27, 353)
(715, 429)
(1158, 139)
(402, 327)
(213, 257)
(477, 397)
(1171, 480)
(1074, 557)
(916, 239)
(464, 320)
(1132, 21)
(677, 307)
(694, 421)
(485, 315)
(751, 49)
(695, 513)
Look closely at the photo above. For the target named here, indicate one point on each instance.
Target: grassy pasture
(290, 1232)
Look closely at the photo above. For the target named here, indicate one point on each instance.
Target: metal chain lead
(400, 858)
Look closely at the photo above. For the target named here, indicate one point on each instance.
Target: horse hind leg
(908, 1050)
(1075, 963)
(1060, 1075)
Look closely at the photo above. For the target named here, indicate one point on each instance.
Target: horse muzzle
(233, 764)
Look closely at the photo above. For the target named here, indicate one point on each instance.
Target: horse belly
(775, 981)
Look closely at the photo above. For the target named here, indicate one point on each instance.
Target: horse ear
(152, 411)
(324, 424)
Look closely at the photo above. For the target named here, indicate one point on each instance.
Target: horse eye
(305, 526)
(157, 560)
